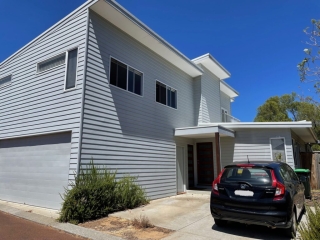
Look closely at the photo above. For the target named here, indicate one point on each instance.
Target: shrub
(142, 222)
(95, 193)
(311, 229)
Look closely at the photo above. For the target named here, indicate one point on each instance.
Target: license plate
(243, 193)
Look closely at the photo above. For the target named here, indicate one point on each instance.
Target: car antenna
(248, 159)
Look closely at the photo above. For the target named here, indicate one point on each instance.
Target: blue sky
(259, 42)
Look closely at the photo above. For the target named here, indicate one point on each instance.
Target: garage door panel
(36, 200)
(49, 162)
(16, 177)
(34, 170)
(34, 151)
(35, 193)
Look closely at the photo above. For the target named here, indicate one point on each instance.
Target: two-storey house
(101, 85)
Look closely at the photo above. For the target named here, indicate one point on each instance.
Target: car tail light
(280, 188)
(215, 183)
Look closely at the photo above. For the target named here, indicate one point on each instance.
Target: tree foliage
(309, 68)
(290, 107)
(275, 110)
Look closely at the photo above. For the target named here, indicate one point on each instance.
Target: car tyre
(292, 230)
(220, 222)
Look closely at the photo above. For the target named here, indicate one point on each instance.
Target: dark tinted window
(72, 69)
(161, 93)
(292, 174)
(125, 77)
(166, 95)
(5, 80)
(285, 173)
(254, 176)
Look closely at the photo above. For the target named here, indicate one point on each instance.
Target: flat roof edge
(208, 55)
(143, 26)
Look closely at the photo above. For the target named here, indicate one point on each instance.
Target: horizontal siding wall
(129, 133)
(36, 103)
(255, 143)
(210, 97)
(227, 150)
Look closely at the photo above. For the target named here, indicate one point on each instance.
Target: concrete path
(189, 215)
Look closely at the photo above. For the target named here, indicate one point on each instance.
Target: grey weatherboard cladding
(126, 132)
(37, 103)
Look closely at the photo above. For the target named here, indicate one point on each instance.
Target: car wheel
(292, 230)
(220, 223)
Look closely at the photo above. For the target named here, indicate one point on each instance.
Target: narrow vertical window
(71, 69)
(166, 95)
(125, 77)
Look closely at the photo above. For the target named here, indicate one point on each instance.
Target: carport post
(217, 140)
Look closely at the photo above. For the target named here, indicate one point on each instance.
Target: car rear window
(254, 176)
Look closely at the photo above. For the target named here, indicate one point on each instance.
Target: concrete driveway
(189, 215)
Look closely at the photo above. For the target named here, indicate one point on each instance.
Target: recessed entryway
(205, 163)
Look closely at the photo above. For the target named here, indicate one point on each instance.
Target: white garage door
(34, 170)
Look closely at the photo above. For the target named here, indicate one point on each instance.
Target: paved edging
(66, 227)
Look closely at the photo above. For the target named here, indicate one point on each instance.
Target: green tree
(309, 68)
(273, 110)
(290, 108)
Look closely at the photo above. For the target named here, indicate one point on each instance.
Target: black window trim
(128, 67)
(8, 83)
(167, 86)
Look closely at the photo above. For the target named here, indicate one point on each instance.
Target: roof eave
(111, 11)
(213, 65)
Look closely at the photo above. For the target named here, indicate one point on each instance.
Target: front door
(180, 169)
(205, 163)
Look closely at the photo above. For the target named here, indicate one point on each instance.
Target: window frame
(284, 144)
(65, 64)
(66, 69)
(167, 86)
(225, 112)
(8, 83)
(128, 66)
(50, 69)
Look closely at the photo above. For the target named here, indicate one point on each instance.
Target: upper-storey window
(166, 95)
(224, 115)
(125, 77)
(71, 58)
(5, 80)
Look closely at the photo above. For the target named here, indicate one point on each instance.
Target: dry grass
(142, 222)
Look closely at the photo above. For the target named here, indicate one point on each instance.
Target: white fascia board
(114, 13)
(238, 125)
(213, 65)
(302, 128)
(203, 131)
(227, 89)
(85, 5)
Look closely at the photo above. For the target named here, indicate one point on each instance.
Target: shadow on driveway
(250, 231)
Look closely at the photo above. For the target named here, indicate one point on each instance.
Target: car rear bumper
(273, 219)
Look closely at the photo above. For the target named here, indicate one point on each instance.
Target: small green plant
(95, 193)
(311, 229)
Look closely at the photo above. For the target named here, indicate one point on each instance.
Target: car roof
(270, 164)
